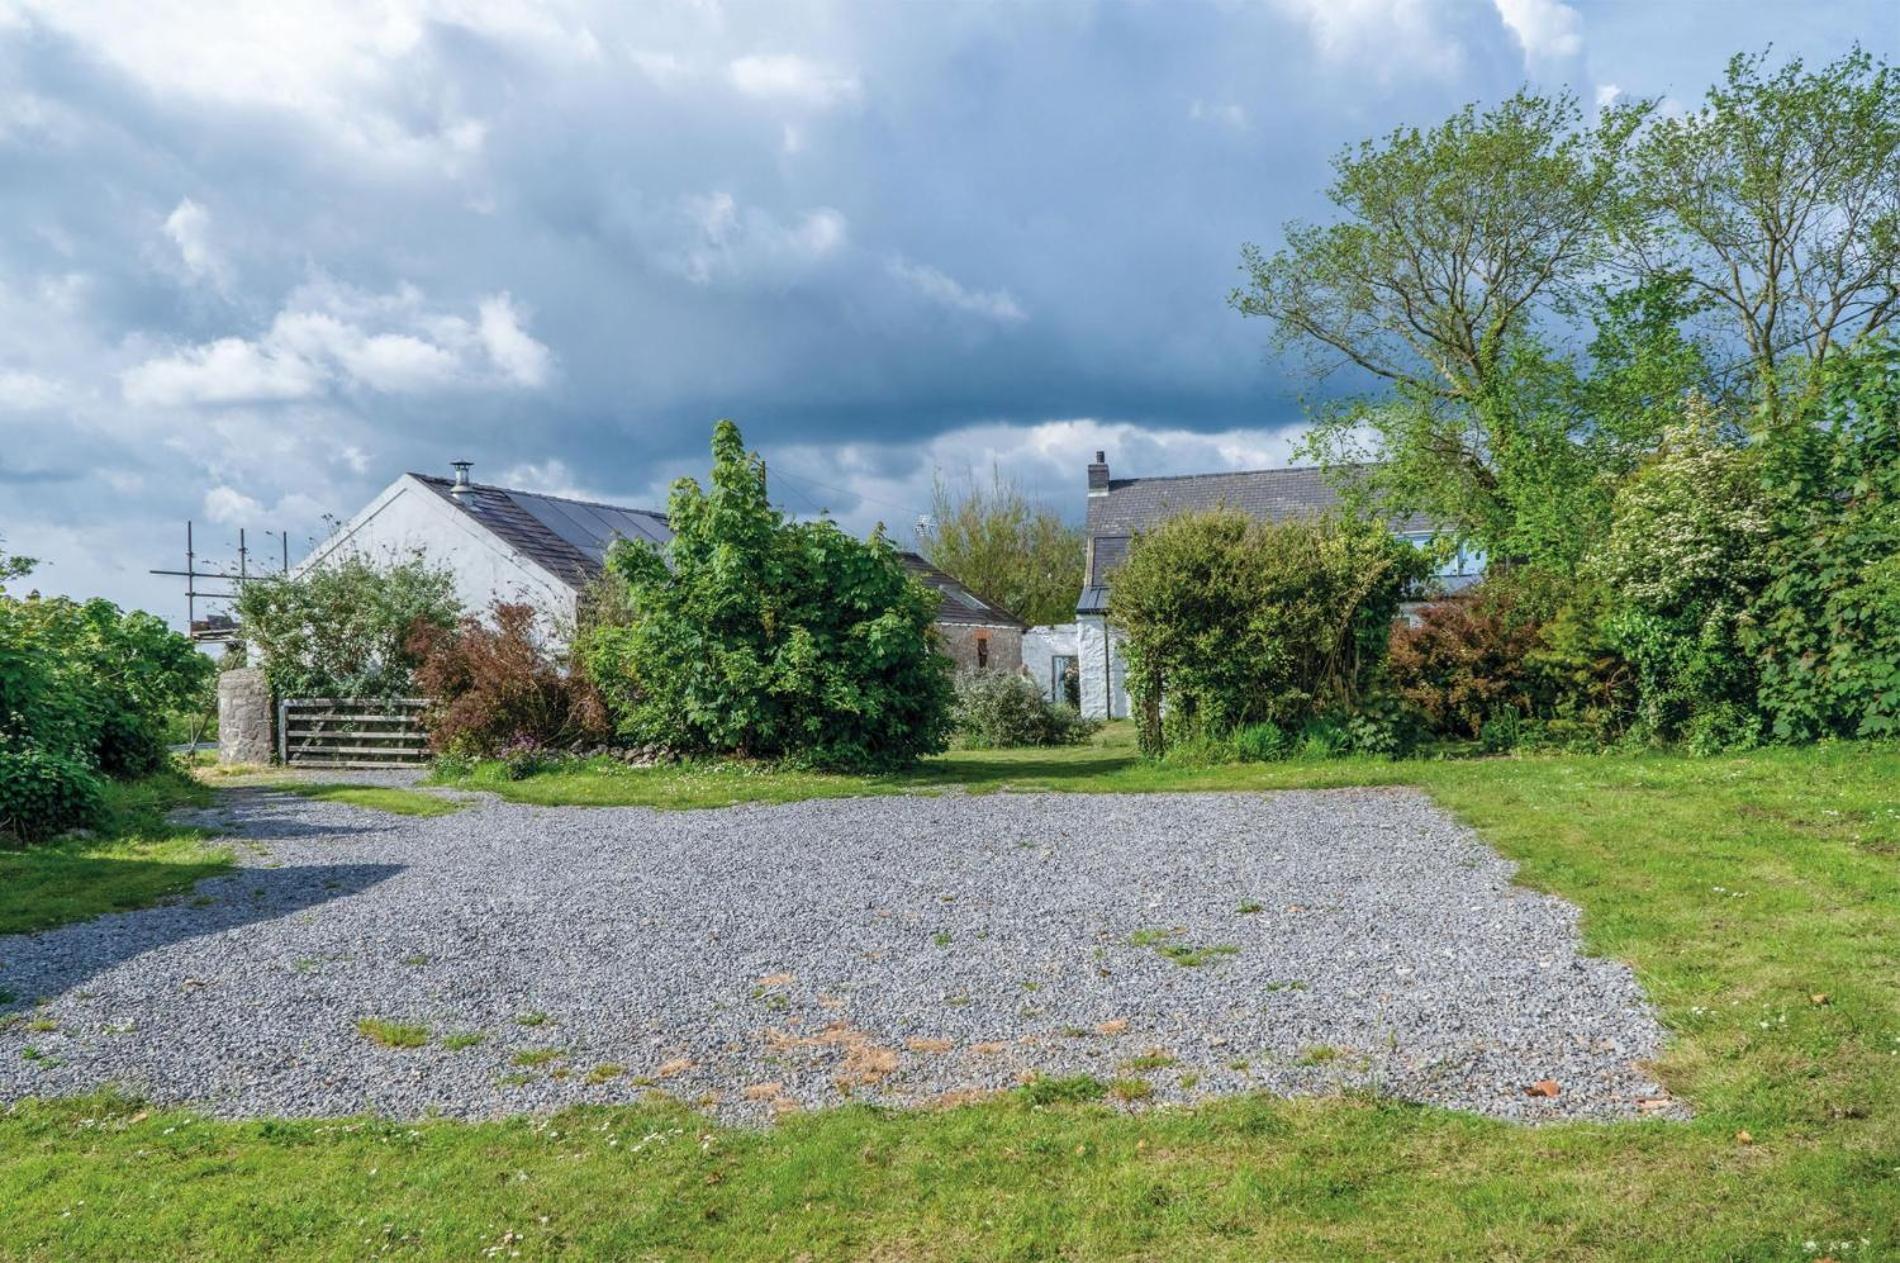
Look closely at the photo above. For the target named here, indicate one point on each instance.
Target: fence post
(283, 730)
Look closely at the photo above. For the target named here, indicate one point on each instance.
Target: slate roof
(568, 538)
(1135, 504)
(960, 605)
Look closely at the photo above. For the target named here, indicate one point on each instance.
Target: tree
(13, 566)
(343, 628)
(1454, 245)
(1231, 621)
(1778, 201)
(1001, 545)
(762, 637)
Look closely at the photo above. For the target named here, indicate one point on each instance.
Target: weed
(1131, 1089)
(392, 1034)
(1075, 1088)
(536, 1056)
(462, 1039)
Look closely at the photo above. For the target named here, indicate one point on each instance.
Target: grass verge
(391, 798)
(1754, 894)
(134, 859)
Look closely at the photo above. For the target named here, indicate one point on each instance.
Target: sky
(258, 260)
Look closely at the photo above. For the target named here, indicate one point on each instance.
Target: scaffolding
(219, 626)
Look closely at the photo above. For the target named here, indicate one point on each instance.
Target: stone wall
(959, 641)
(245, 719)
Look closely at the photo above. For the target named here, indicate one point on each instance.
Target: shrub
(1234, 621)
(1826, 631)
(1686, 553)
(761, 637)
(495, 685)
(43, 793)
(1263, 743)
(1462, 660)
(343, 628)
(997, 711)
(88, 681)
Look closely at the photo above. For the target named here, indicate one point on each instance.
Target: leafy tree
(342, 629)
(1827, 628)
(1003, 546)
(1778, 203)
(13, 566)
(762, 637)
(1231, 621)
(1452, 248)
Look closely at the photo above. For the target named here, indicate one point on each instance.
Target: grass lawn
(1757, 895)
(391, 798)
(134, 860)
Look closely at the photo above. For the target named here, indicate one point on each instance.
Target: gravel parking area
(762, 959)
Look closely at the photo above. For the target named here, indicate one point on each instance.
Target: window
(1065, 681)
(982, 651)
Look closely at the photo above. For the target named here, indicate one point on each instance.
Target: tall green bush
(762, 637)
(1827, 628)
(1686, 554)
(996, 710)
(342, 629)
(1229, 621)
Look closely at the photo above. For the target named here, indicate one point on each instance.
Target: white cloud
(327, 338)
(1544, 28)
(229, 505)
(749, 243)
(518, 355)
(229, 370)
(1607, 93)
(1387, 37)
(22, 391)
(997, 304)
(786, 78)
(865, 483)
(664, 70)
(189, 227)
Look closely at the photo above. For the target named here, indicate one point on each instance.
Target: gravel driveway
(768, 958)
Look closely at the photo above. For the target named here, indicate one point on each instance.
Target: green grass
(135, 860)
(392, 1034)
(1738, 887)
(402, 802)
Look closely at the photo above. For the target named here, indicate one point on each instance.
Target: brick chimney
(1098, 475)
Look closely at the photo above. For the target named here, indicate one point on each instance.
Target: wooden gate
(368, 732)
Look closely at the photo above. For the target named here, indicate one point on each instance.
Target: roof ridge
(1238, 473)
(440, 481)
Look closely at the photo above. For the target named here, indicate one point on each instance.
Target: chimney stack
(1098, 475)
(462, 485)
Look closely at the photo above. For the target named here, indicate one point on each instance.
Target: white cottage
(1119, 508)
(501, 544)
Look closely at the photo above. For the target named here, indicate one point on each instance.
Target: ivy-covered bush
(495, 686)
(1826, 631)
(1236, 622)
(998, 711)
(761, 637)
(343, 629)
(43, 793)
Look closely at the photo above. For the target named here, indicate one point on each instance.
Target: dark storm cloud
(255, 261)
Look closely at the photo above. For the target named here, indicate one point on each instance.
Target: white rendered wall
(1040, 646)
(409, 517)
(1104, 688)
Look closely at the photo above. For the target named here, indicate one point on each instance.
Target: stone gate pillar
(244, 717)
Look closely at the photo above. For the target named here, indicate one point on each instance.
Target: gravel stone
(906, 950)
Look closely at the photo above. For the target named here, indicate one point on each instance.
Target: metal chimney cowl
(462, 485)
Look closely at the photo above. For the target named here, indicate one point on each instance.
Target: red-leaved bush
(1463, 661)
(495, 685)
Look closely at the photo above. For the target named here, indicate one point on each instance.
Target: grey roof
(959, 605)
(1133, 505)
(567, 538)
